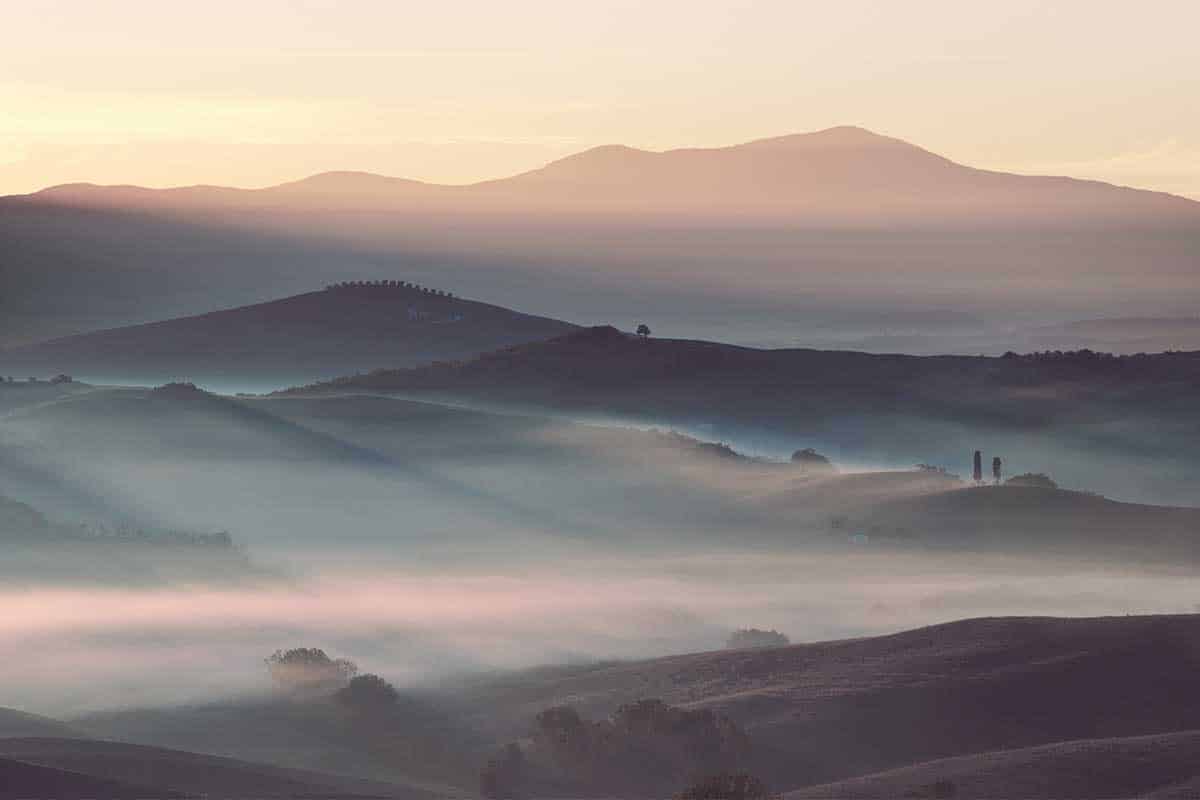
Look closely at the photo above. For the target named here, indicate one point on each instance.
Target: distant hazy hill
(843, 173)
(1121, 335)
(1112, 425)
(325, 333)
(765, 235)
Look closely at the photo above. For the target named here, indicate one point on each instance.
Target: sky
(257, 92)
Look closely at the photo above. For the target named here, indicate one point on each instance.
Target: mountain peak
(841, 136)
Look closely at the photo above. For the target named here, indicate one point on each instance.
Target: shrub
(811, 460)
(748, 638)
(367, 692)
(309, 668)
(1037, 480)
(725, 786)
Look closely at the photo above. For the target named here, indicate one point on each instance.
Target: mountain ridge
(769, 175)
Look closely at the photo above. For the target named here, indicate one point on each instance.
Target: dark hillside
(342, 329)
(1118, 425)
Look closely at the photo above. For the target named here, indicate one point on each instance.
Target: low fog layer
(107, 648)
(163, 542)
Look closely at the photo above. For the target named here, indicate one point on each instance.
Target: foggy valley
(599, 401)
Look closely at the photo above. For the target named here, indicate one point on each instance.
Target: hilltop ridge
(346, 327)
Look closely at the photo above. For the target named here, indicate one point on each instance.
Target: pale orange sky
(256, 92)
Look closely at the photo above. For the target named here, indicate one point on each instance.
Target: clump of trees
(386, 284)
(309, 669)
(643, 330)
(753, 638)
(726, 786)
(647, 748)
(811, 461)
(1039, 480)
(367, 692)
(178, 388)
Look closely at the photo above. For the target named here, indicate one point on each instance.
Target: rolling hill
(1113, 425)
(318, 334)
(21, 781)
(181, 773)
(980, 692)
(1136, 766)
(804, 236)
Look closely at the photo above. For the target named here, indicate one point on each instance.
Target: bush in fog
(726, 786)
(748, 638)
(811, 461)
(647, 748)
(1038, 480)
(366, 692)
(309, 668)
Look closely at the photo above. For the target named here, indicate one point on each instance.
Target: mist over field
(437, 542)
(622, 401)
(102, 648)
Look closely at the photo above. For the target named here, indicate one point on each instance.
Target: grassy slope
(21, 781)
(820, 712)
(1090, 768)
(316, 334)
(192, 773)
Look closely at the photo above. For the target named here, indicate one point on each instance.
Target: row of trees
(61, 378)
(647, 748)
(387, 284)
(997, 468)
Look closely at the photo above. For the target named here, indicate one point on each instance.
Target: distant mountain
(844, 173)
(317, 334)
(783, 239)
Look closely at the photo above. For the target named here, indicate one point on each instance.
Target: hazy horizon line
(859, 129)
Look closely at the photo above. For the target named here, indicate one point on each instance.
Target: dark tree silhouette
(726, 786)
(747, 638)
(1037, 480)
(367, 692)
(997, 468)
(978, 471)
(643, 330)
(309, 668)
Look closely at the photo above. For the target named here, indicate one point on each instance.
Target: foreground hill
(1139, 766)
(318, 334)
(182, 773)
(21, 781)
(979, 691)
(1114, 425)
(14, 723)
(819, 712)
(787, 237)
